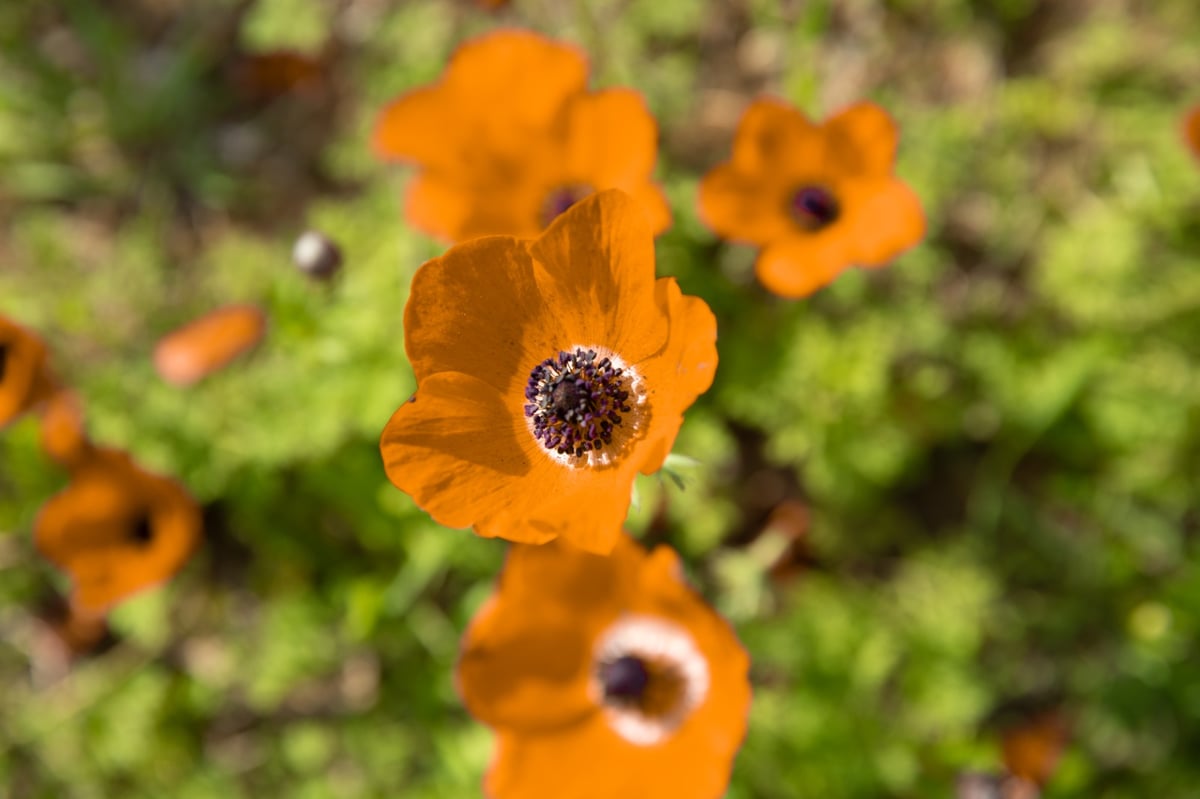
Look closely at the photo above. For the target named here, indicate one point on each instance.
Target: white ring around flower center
(624, 434)
(665, 645)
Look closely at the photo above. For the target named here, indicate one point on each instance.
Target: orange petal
(209, 343)
(585, 507)
(478, 310)
(419, 127)
(772, 137)
(262, 77)
(437, 206)
(683, 373)
(798, 265)
(453, 447)
(596, 271)
(497, 90)
(91, 530)
(454, 211)
(743, 207)
(533, 677)
(612, 139)
(1191, 130)
(884, 218)
(651, 198)
(24, 379)
(523, 77)
(63, 436)
(862, 140)
(1033, 749)
(527, 654)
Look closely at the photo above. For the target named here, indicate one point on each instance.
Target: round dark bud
(316, 255)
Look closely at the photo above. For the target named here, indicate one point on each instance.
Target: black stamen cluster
(575, 402)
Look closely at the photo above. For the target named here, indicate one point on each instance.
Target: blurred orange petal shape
(116, 529)
(817, 199)
(73, 633)
(1032, 750)
(510, 137)
(604, 677)
(549, 373)
(204, 346)
(24, 377)
(63, 435)
(262, 77)
(1191, 130)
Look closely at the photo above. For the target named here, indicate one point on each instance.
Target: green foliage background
(998, 438)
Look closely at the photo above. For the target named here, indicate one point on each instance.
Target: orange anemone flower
(24, 377)
(817, 199)
(209, 343)
(510, 137)
(1191, 130)
(116, 530)
(604, 677)
(549, 373)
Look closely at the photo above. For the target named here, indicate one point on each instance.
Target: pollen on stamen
(649, 676)
(582, 406)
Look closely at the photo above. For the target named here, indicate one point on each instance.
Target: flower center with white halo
(648, 677)
(585, 406)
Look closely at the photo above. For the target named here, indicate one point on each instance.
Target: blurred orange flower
(604, 677)
(816, 198)
(24, 377)
(510, 137)
(549, 373)
(209, 343)
(1191, 130)
(116, 530)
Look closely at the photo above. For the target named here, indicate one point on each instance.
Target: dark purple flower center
(625, 679)
(575, 401)
(142, 530)
(561, 198)
(3, 361)
(814, 207)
